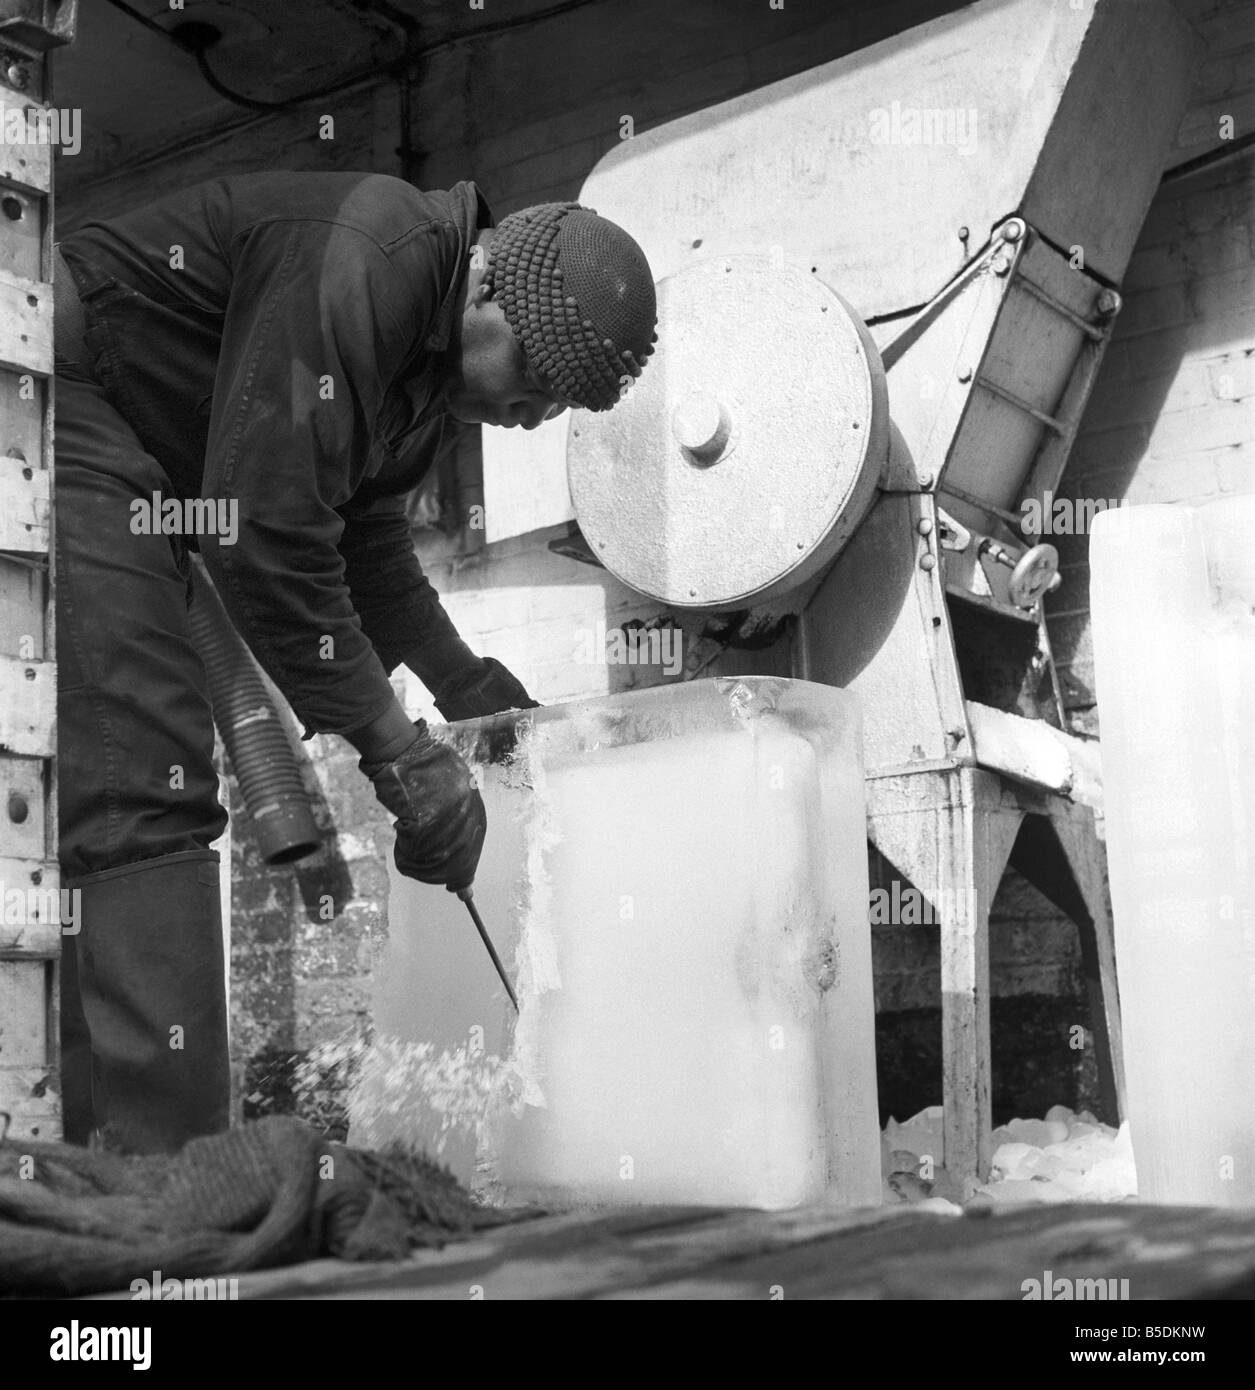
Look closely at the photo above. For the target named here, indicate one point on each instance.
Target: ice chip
(1016, 1192)
(921, 1134)
(1085, 1161)
(1009, 1160)
(942, 1206)
(1108, 1180)
(1041, 1165)
(1039, 1133)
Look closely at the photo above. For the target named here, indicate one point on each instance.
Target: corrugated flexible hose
(256, 741)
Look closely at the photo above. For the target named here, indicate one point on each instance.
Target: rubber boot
(153, 992)
(77, 1122)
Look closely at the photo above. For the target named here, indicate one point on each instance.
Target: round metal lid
(746, 454)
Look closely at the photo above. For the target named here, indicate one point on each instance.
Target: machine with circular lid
(748, 452)
(879, 327)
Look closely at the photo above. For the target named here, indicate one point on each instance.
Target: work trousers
(137, 788)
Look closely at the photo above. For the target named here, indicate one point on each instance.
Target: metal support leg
(950, 832)
(1060, 855)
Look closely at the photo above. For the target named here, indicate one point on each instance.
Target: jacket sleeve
(400, 611)
(319, 322)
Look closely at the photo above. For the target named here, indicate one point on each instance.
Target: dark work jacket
(279, 340)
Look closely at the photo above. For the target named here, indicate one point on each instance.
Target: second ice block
(681, 877)
(1174, 656)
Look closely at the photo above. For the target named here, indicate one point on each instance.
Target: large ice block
(677, 877)
(1174, 654)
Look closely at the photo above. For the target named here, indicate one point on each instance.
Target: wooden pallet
(820, 1252)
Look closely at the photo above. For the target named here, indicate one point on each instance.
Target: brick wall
(1169, 420)
(1172, 416)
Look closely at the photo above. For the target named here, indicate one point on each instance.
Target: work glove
(484, 688)
(440, 814)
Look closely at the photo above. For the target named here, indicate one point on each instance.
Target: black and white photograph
(627, 669)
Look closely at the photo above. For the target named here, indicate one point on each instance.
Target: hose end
(286, 832)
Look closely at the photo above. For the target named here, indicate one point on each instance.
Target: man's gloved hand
(485, 688)
(440, 814)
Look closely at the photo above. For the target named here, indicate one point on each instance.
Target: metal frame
(30, 949)
(947, 822)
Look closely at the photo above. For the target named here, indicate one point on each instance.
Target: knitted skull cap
(578, 295)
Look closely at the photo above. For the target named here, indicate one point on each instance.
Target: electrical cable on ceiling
(198, 39)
